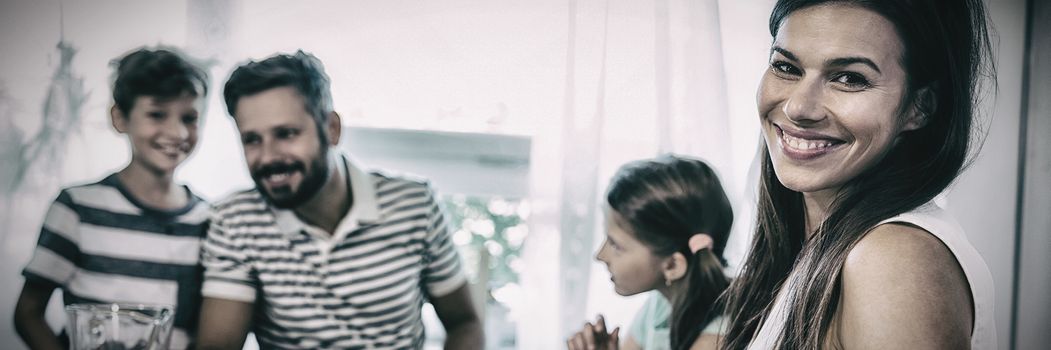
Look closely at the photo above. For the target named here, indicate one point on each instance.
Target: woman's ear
(923, 107)
(674, 267)
(118, 119)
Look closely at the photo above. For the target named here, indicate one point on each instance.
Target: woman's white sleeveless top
(935, 220)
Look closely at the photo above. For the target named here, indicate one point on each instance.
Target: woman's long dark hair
(663, 202)
(946, 51)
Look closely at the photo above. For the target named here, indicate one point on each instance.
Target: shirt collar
(363, 211)
(364, 189)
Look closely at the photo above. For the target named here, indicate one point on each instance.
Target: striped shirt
(361, 287)
(100, 245)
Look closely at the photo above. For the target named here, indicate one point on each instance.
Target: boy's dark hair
(300, 71)
(163, 73)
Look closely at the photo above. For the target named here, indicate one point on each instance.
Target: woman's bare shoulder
(901, 286)
(897, 245)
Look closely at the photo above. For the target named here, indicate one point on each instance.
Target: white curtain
(642, 78)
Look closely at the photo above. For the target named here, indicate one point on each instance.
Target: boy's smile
(162, 132)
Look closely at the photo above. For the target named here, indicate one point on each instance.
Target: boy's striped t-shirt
(100, 245)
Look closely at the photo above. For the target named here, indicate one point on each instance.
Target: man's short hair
(300, 71)
(163, 73)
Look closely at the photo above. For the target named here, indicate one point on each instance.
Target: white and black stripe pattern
(99, 245)
(366, 293)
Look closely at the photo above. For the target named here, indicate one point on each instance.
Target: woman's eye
(784, 68)
(851, 80)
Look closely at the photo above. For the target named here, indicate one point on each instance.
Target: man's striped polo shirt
(361, 288)
(100, 245)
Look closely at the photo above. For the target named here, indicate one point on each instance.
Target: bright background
(520, 111)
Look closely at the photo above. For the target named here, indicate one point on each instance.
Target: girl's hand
(594, 337)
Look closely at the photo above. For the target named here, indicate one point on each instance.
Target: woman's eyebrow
(835, 62)
(846, 61)
(784, 52)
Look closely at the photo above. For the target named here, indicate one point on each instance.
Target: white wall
(984, 198)
(1033, 320)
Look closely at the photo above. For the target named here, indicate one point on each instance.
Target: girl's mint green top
(651, 328)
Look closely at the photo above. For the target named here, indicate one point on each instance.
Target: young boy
(133, 237)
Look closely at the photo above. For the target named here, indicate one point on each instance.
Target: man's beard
(285, 197)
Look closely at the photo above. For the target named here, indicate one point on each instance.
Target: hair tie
(699, 241)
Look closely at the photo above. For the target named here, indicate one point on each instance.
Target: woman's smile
(805, 145)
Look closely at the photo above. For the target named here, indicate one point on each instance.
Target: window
(482, 180)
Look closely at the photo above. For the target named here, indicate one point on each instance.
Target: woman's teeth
(804, 144)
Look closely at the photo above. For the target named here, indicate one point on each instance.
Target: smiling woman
(866, 111)
(829, 112)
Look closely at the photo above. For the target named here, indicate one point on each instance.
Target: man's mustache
(277, 168)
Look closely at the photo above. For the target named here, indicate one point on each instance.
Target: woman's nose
(805, 103)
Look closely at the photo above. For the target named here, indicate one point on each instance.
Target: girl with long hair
(866, 110)
(667, 221)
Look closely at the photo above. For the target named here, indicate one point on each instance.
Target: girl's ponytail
(698, 303)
